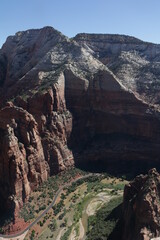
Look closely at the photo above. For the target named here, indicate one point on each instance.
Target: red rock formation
(67, 107)
(141, 209)
(113, 123)
(22, 163)
(28, 159)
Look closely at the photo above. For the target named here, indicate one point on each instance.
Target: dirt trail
(16, 238)
(97, 202)
(81, 230)
(74, 236)
(60, 234)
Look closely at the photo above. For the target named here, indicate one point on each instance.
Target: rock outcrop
(22, 162)
(62, 103)
(141, 209)
(134, 62)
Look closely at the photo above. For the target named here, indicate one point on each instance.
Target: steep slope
(62, 106)
(35, 123)
(141, 212)
(134, 62)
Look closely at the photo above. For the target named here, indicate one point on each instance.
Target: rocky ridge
(134, 62)
(62, 104)
(141, 211)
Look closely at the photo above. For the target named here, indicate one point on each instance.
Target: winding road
(46, 210)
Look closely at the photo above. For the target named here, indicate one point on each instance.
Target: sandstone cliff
(62, 103)
(141, 211)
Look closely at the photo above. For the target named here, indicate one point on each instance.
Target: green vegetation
(61, 216)
(77, 229)
(79, 208)
(51, 78)
(74, 204)
(74, 186)
(32, 235)
(67, 234)
(44, 194)
(101, 225)
(53, 225)
(1, 231)
(27, 213)
(97, 186)
(58, 207)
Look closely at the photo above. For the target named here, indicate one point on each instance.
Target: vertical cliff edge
(75, 101)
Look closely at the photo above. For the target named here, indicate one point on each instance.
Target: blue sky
(139, 18)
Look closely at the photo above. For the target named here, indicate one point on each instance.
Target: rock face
(124, 115)
(65, 102)
(134, 62)
(141, 210)
(22, 162)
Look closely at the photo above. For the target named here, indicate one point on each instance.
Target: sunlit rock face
(134, 62)
(74, 101)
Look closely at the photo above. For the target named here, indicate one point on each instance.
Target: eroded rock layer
(141, 210)
(62, 103)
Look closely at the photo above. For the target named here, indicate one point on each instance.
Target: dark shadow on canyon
(117, 154)
(116, 215)
(6, 215)
(105, 142)
(7, 205)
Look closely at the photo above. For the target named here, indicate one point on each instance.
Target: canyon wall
(62, 104)
(141, 210)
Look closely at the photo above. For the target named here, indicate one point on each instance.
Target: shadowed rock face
(61, 105)
(141, 211)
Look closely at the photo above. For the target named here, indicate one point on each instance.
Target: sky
(139, 18)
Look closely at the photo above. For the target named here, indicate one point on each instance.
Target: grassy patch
(27, 212)
(98, 186)
(72, 203)
(101, 225)
(79, 208)
(67, 234)
(45, 193)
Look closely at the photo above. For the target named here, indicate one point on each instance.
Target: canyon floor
(78, 210)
